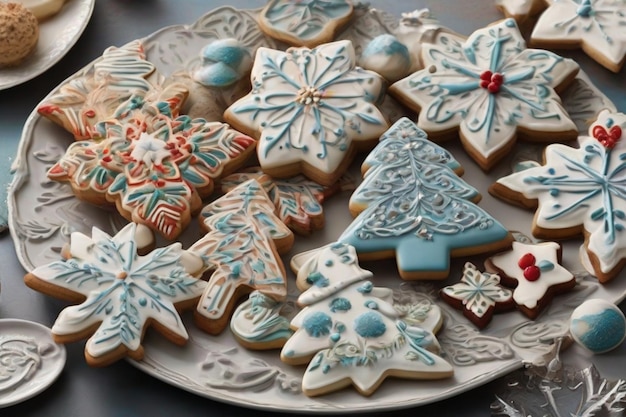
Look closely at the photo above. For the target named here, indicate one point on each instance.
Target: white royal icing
(124, 291)
(582, 186)
(451, 93)
(520, 9)
(594, 24)
(352, 334)
(309, 106)
(528, 293)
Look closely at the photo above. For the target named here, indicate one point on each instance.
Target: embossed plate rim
(42, 59)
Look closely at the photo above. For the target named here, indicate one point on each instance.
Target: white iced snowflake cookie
(596, 26)
(352, 331)
(120, 293)
(579, 191)
(489, 91)
(479, 295)
(311, 109)
(535, 272)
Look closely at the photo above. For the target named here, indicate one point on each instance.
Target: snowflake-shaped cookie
(312, 110)
(580, 189)
(155, 167)
(490, 89)
(535, 272)
(597, 26)
(478, 295)
(120, 293)
(305, 22)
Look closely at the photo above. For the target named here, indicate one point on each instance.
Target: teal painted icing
(317, 324)
(370, 325)
(600, 332)
(340, 304)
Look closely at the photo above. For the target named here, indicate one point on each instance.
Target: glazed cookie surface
(579, 191)
(311, 110)
(488, 91)
(413, 206)
(351, 333)
(305, 22)
(120, 293)
(535, 272)
(596, 26)
(479, 295)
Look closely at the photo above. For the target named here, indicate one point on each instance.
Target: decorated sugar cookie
(352, 332)
(521, 10)
(153, 166)
(119, 292)
(94, 97)
(305, 22)
(596, 26)
(242, 245)
(535, 272)
(418, 210)
(490, 90)
(579, 191)
(311, 110)
(479, 295)
(298, 200)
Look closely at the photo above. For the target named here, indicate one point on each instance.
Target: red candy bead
(526, 261)
(493, 87)
(486, 75)
(491, 81)
(532, 273)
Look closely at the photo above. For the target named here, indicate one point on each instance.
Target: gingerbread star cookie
(311, 109)
(596, 26)
(535, 272)
(479, 295)
(120, 293)
(490, 90)
(579, 191)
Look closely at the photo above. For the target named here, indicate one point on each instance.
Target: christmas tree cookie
(351, 333)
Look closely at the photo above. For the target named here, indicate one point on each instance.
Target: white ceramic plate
(43, 213)
(56, 37)
(31, 360)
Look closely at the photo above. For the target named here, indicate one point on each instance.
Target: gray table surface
(121, 390)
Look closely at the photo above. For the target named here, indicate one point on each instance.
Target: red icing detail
(491, 81)
(56, 170)
(532, 273)
(90, 113)
(526, 260)
(609, 138)
(107, 159)
(48, 109)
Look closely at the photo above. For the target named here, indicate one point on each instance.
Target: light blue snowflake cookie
(311, 110)
(580, 191)
(119, 292)
(489, 90)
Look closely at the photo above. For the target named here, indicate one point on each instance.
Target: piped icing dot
(122, 275)
(369, 325)
(317, 324)
(340, 304)
(585, 9)
(527, 260)
(532, 273)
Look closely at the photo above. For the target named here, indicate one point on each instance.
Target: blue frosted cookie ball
(598, 325)
(224, 62)
(386, 55)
